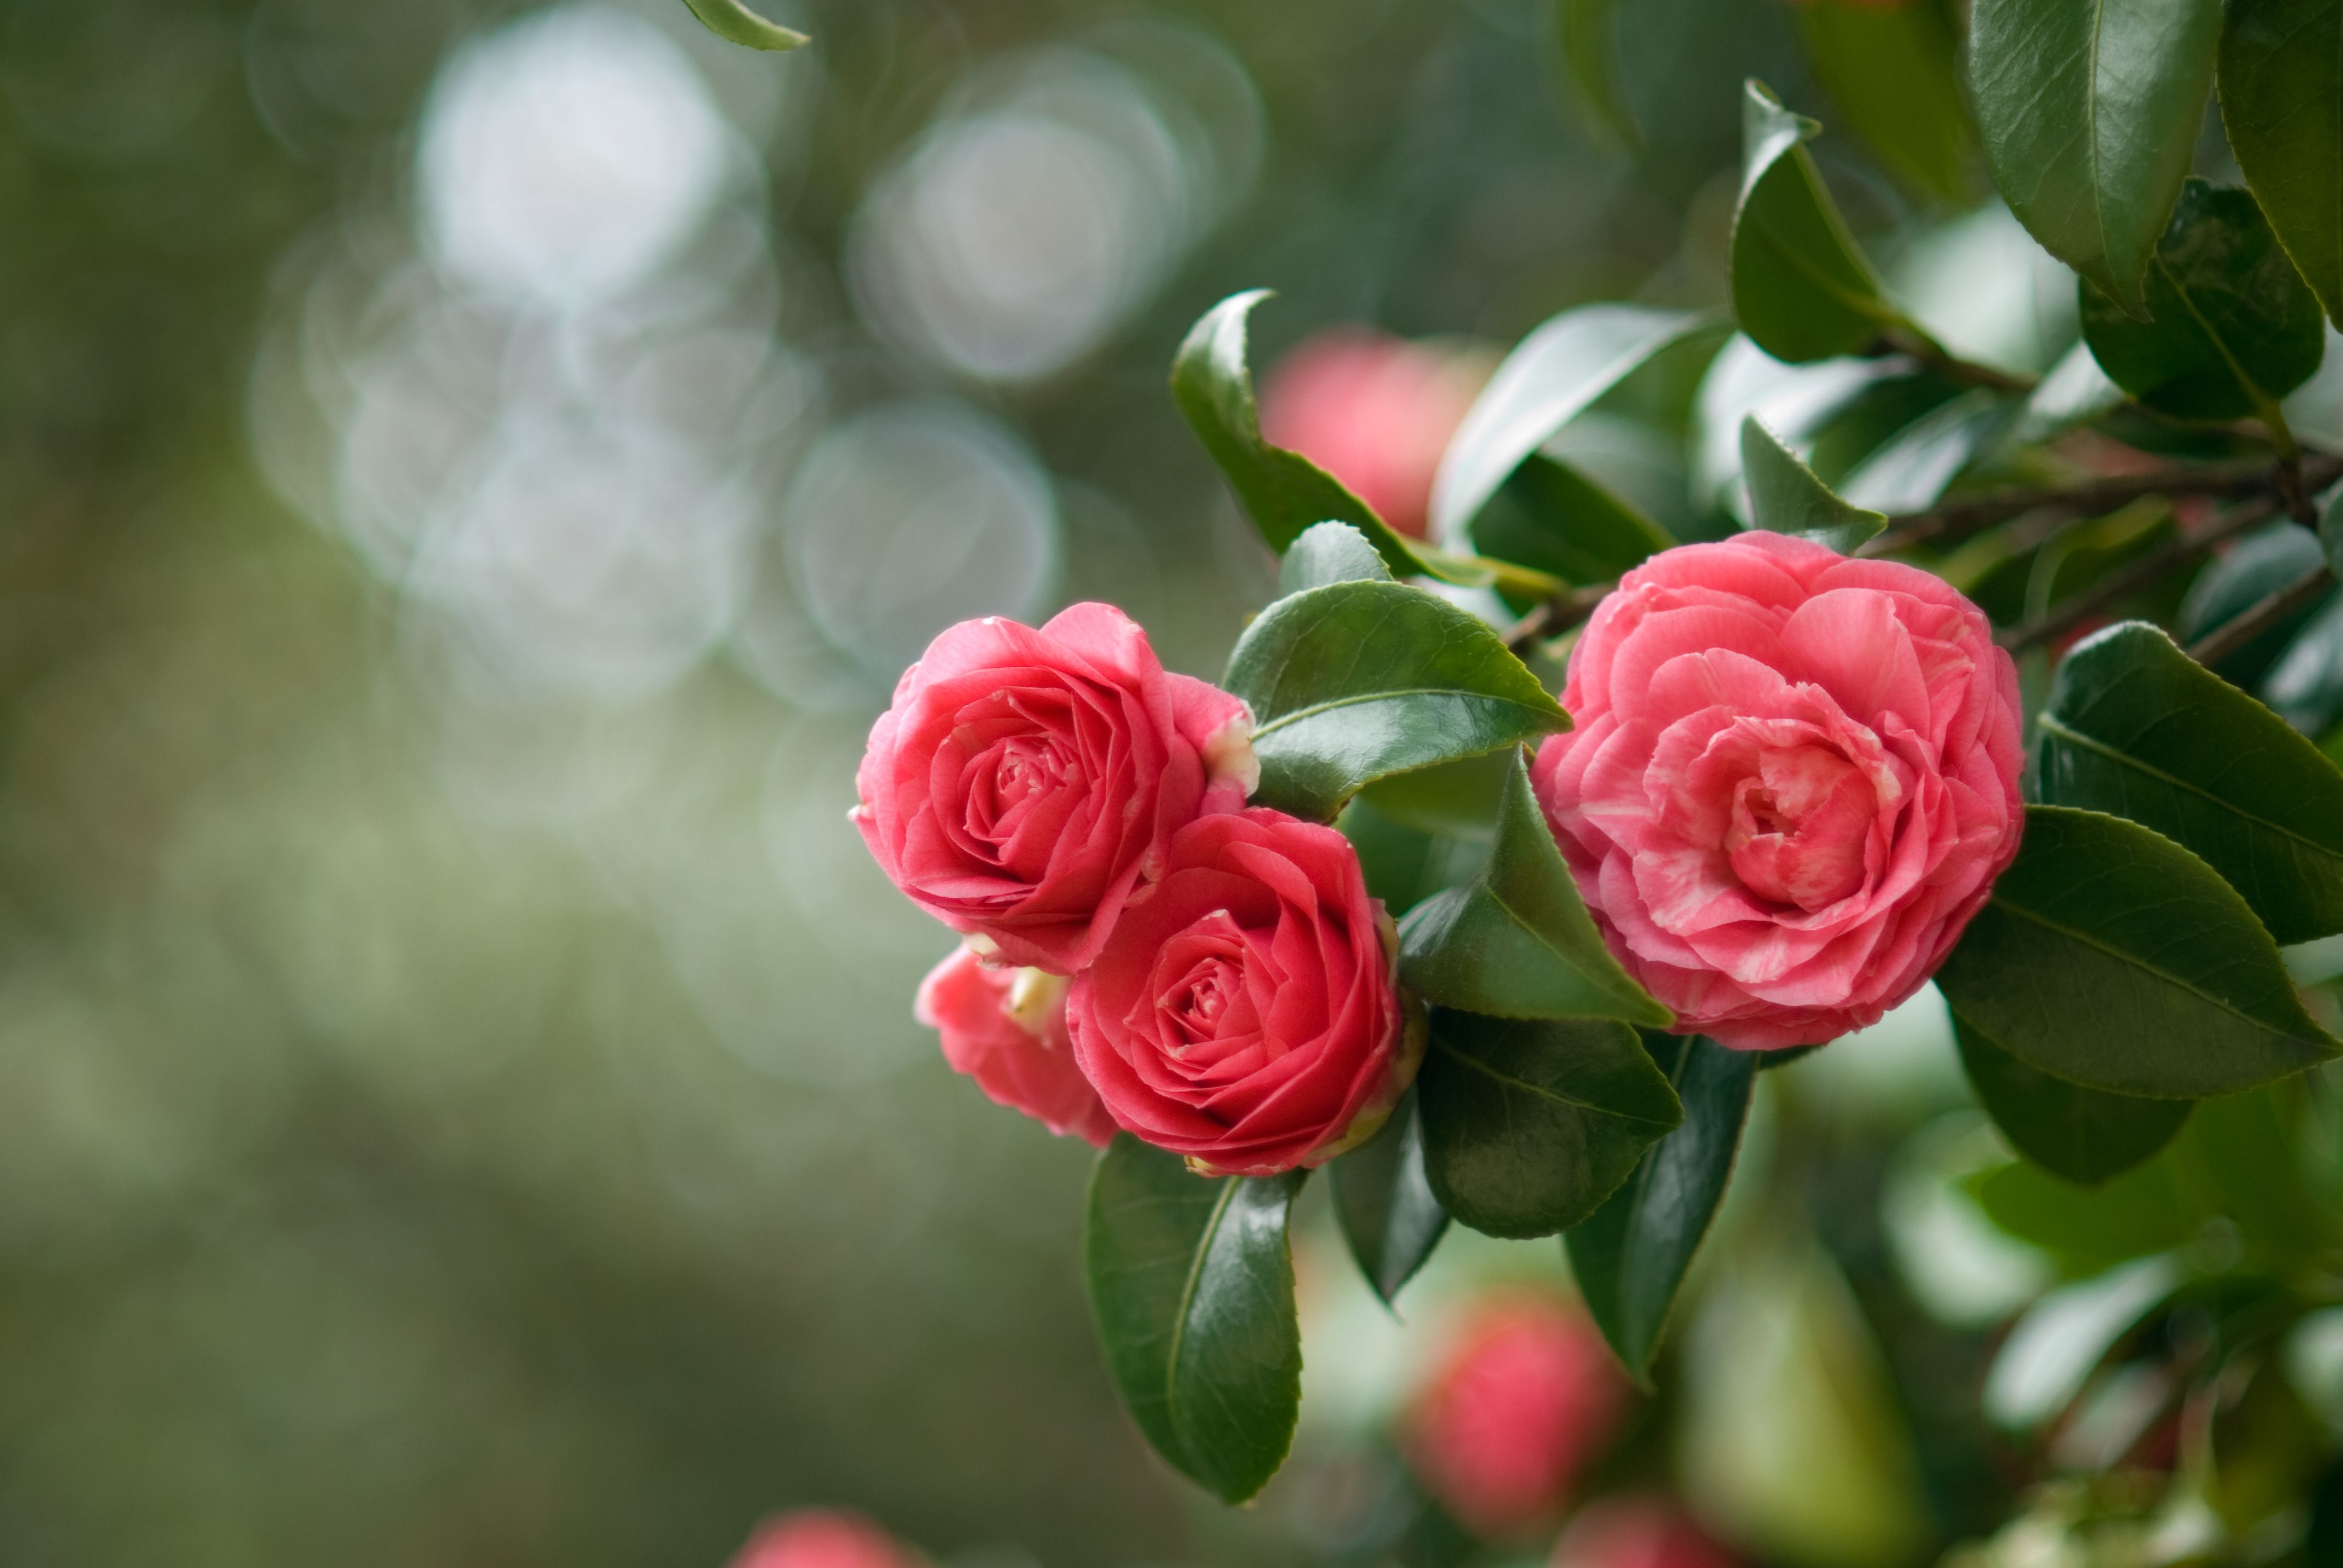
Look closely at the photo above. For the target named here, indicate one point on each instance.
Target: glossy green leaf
(2281, 76)
(2138, 729)
(1326, 553)
(1800, 289)
(1629, 1256)
(1359, 681)
(1384, 1202)
(1552, 515)
(1529, 1125)
(1893, 72)
(2111, 957)
(1191, 1288)
(1784, 496)
(1518, 941)
(1586, 38)
(1458, 800)
(1551, 377)
(2085, 1135)
(2089, 111)
(735, 24)
(2233, 326)
(1284, 492)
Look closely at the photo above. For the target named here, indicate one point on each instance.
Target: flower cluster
(1143, 949)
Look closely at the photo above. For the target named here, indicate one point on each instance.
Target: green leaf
(1191, 1287)
(735, 24)
(1518, 943)
(2281, 76)
(2051, 1353)
(2234, 328)
(2130, 1215)
(2111, 957)
(2252, 569)
(1284, 492)
(1359, 681)
(1327, 553)
(1458, 800)
(1550, 514)
(1784, 496)
(2074, 392)
(1893, 71)
(1629, 1256)
(1586, 42)
(2330, 525)
(1912, 468)
(1550, 377)
(2084, 1135)
(1529, 1125)
(1403, 865)
(2090, 111)
(1384, 1201)
(2138, 729)
(1801, 290)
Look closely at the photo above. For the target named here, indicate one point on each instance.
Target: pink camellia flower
(1025, 781)
(1006, 1029)
(1636, 1532)
(1246, 1013)
(1373, 410)
(820, 1538)
(1792, 780)
(1524, 1397)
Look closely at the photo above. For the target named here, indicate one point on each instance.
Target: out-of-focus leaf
(1328, 553)
(2233, 326)
(2074, 392)
(1629, 1256)
(2089, 111)
(1404, 866)
(1191, 1287)
(1459, 799)
(1550, 377)
(1586, 39)
(735, 24)
(2330, 531)
(2136, 728)
(1529, 1125)
(2111, 957)
(1518, 943)
(2063, 1337)
(1912, 468)
(1563, 522)
(1893, 71)
(1359, 681)
(2305, 683)
(2281, 75)
(2242, 1157)
(2325, 1541)
(1800, 289)
(2261, 1446)
(2251, 570)
(1283, 492)
(2085, 1135)
(1784, 496)
(2129, 1215)
(1385, 1204)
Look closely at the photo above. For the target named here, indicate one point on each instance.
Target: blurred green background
(468, 476)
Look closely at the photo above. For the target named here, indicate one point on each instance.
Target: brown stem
(1936, 357)
(2128, 580)
(1951, 521)
(1555, 615)
(2265, 613)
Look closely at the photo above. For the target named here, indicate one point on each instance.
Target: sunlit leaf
(1529, 1125)
(1359, 681)
(1629, 1256)
(2111, 957)
(2136, 728)
(735, 22)
(1518, 941)
(1383, 1200)
(1800, 289)
(2089, 111)
(1191, 1286)
(2234, 328)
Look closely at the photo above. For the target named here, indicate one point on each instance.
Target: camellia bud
(821, 1538)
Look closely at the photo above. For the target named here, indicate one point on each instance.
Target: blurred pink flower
(1373, 410)
(820, 1538)
(1524, 1398)
(1637, 1532)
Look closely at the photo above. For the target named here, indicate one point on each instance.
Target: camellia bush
(2016, 683)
